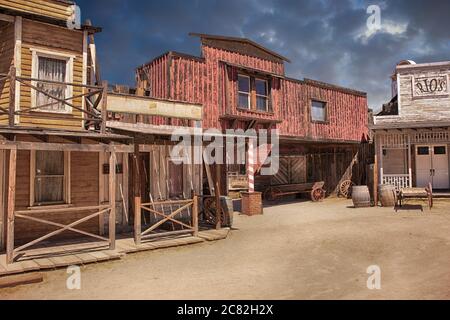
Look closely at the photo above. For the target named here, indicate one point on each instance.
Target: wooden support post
(137, 195)
(217, 194)
(251, 166)
(11, 206)
(375, 175)
(104, 106)
(12, 96)
(112, 200)
(195, 215)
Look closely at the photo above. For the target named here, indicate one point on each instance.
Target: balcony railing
(91, 113)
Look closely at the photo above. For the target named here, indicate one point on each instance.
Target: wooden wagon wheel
(270, 194)
(317, 195)
(345, 189)
(209, 213)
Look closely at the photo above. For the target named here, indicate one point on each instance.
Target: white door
(440, 167)
(432, 166)
(423, 166)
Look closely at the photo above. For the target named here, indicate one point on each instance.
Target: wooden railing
(27, 215)
(175, 208)
(398, 180)
(93, 111)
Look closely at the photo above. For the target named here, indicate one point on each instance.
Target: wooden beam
(375, 174)
(22, 145)
(7, 18)
(104, 106)
(11, 206)
(217, 194)
(137, 196)
(12, 96)
(112, 200)
(195, 215)
(17, 280)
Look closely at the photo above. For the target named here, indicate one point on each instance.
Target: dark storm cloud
(325, 40)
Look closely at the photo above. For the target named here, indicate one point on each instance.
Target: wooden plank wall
(6, 61)
(62, 40)
(49, 8)
(209, 81)
(84, 192)
(3, 155)
(346, 113)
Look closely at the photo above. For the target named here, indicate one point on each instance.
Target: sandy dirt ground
(294, 251)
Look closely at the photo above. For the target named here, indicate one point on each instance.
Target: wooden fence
(169, 212)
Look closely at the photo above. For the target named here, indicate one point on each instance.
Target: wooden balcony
(87, 104)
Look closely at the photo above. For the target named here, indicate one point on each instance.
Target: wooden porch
(84, 252)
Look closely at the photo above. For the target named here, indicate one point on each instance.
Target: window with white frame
(244, 91)
(50, 178)
(56, 70)
(262, 95)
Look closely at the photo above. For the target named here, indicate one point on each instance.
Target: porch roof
(410, 125)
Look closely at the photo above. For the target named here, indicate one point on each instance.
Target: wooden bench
(416, 193)
(314, 189)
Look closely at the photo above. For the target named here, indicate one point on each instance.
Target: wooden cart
(416, 193)
(314, 189)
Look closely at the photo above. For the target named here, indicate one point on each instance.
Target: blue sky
(327, 40)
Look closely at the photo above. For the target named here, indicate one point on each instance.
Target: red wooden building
(243, 85)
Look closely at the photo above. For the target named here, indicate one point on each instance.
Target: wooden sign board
(120, 103)
(430, 86)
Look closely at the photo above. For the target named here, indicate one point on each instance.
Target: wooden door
(423, 166)
(439, 162)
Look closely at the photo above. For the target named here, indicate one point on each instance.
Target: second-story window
(56, 71)
(244, 91)
(253, 93)
(262, 95)
(52, 70)
(318, 111)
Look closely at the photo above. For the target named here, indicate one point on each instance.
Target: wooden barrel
(387, 195)
(361, 196)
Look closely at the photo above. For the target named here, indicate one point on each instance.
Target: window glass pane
(49, 189)
(244, 101)
(49, 163)
(318, 111)
(49, 180)
(422, 151)
(261, 87)
(261, 103)
(53, 70)
(439, 150)
(243, 84)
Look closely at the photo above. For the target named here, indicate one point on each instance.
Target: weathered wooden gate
(170, 211)
(292, 170)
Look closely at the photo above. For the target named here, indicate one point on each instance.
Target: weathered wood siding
(84, 187)
(212, 82)
(431, 107)
(346, 113)
(37, 35)
(48, 8)
(6, 61)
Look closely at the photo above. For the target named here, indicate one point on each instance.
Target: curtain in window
(53, 70)
(49, 179)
